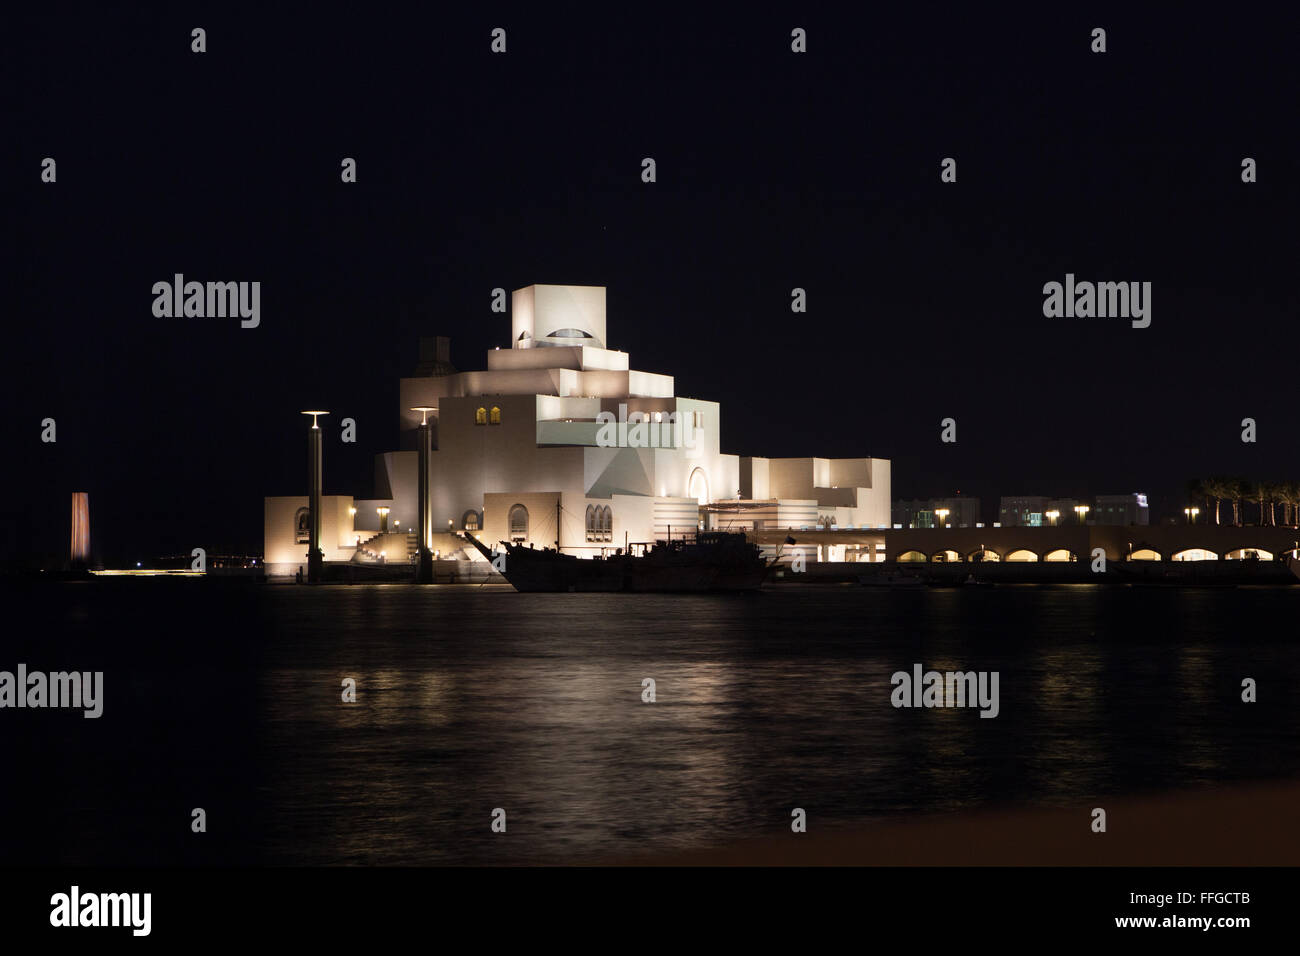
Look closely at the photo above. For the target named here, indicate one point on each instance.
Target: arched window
(480, 416)
(496, 416)
(471, 520)
(302, 527)
(518, 523)
(600, 523)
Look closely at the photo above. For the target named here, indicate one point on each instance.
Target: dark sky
(775, 170)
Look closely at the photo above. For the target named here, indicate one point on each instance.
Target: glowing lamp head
(313, 415)
(424, 410)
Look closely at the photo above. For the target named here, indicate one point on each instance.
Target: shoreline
(1247, 824)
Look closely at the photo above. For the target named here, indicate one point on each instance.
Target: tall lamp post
(315, 557)
(1051, 516)
(424, 518)
(1191, 514)
(1082, 512)
(942, 514)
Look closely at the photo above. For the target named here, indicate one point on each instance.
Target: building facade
(1121, 510)
(959, 511)
(560, 443)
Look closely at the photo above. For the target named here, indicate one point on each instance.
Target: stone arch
(1060, 554)
(1194, 554)
(698, 486)
(1145, 554)
(946, 556)
(983, 554)
(1021, 554)
(912, 555)
(1243, 554)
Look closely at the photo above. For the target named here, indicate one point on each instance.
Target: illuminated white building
(560, 441)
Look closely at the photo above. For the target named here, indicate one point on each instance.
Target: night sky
(775, 170)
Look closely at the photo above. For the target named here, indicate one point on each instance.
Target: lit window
(496, 416)
(518, 523)
(480, 416)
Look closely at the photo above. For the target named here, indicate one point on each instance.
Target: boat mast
(557, 524)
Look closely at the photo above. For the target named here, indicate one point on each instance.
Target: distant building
(1063, 511)
(1121, 510)
(1023, 511)
(1035, 511)
(914, 513)
(962, 512)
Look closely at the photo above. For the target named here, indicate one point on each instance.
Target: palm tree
(1235, 489)
(1289, 492)
(1257, 492)
(1217, 488)
(1266, 492)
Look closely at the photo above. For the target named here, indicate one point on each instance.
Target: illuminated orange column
(80, 551)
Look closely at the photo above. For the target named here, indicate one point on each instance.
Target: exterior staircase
(388, 547)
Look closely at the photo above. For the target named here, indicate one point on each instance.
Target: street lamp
(1051, 516)
(942, 514)
(1191, 514)
(1081, 511)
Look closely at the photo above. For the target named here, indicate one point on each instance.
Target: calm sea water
(468, 699)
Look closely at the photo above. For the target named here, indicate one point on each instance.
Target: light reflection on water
(471, 699)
